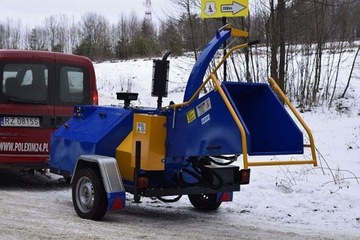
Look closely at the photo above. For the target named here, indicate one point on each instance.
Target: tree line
(280, 25)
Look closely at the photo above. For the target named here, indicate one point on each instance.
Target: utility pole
(147, 5)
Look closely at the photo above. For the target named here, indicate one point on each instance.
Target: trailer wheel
(88, 194)
(204, 202)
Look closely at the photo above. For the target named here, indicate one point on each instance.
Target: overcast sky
(34, 12)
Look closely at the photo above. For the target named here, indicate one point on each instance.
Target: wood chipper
(180, 149)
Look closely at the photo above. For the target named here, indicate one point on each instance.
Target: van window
(25, 82)
(72, 84)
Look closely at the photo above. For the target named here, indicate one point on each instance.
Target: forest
(297, 38)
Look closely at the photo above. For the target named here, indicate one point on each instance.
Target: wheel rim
(204, 197)
(205, 202)
(85, 194)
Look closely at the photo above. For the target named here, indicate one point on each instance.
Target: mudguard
(110, 175)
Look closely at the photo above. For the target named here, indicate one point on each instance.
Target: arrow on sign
(234, 7)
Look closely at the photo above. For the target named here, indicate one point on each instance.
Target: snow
(281, 202)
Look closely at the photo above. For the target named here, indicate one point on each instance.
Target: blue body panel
(272, 130)
(93, 130)
(269, 128)
(197, 73)
(211, 133)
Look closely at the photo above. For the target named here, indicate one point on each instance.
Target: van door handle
(56, 122)
(59, 121)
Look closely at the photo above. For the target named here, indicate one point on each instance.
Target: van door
(26, 113)
(72, 88)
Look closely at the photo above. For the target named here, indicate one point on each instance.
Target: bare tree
(188, 18)
(74, 38)
(170, 38)
(2, 36)
(57, 31)
(38, 39)
(282, 42)
(351, 72)
(122, 38)
(12, 34)
(94, 35)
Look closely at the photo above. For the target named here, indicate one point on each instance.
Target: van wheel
(88, 194)
(204, 202)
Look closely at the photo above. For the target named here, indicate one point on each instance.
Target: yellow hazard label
(191, 115)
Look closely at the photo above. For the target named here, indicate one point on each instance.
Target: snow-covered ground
(287, 202)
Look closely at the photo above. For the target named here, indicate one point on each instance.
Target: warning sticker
(141, 127)
(203, 107)
(205, 119)
(190, 115)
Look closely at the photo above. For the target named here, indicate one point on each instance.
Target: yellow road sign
(224, 8)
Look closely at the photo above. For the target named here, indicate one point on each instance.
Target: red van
(38, 92)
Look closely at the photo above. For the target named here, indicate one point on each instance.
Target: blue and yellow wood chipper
(180, 149)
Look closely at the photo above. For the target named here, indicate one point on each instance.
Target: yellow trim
(195, 95)
(239, 33)
(281, 162)
(281, 94)
(124, 155)
(235, 117)
(236, 32)
(275, 87)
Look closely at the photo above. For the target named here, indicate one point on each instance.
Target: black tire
(204, 202)
(88, 194)
(67, 180)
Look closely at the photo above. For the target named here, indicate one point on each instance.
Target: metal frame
(276, 89)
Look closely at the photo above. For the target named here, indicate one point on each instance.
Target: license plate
(20, 122)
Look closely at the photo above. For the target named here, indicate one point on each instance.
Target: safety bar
(283, 97)
(246, 163)
(235, 117)
(275, 88)
(196, 94)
